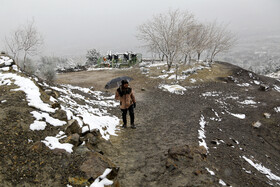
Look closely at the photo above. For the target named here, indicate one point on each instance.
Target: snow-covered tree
(47, 68)
(92, 57)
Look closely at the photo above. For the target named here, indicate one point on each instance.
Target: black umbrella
(117, 82)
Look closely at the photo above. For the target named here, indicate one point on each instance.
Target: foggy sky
(71, 27)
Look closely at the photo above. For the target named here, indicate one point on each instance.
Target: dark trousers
(131, 114)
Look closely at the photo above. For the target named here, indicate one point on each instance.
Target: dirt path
(166, 120)
(163, 120)
(141, 153)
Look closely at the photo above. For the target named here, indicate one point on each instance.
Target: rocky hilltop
(217, 125)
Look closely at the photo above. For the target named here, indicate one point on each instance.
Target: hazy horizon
(70, 27)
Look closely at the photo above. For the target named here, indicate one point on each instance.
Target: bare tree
(201, 39)
(25, 40)
(13, 44)
(221, 40)
(166, 33)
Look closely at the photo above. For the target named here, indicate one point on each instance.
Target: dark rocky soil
(164, 149)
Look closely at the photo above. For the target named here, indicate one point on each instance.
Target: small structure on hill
(119, 60)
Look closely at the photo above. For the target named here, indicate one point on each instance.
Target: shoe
(133, 126)
(124, 126)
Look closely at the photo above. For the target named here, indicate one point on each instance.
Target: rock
(37, 146)
(197, 172)
(73, 139)
(90, 138)
(82, 149)
(73, 127)
(143, 89)
(264, 87)
(61, 115)
(267, 115)
(95, 164)
(174, 152)
(79, 181)
(52, 93)
(170, 165)
(144, 70)
(60, 152)
(55, 105)
(257, 124)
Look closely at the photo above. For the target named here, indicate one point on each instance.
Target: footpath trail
(163, 121)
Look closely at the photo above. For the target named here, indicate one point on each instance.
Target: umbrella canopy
(117, 82)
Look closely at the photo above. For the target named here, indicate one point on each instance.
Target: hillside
(217, 126)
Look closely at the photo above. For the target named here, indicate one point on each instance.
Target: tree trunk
(162, 57)
(190, 59)
(198, 57)
(24, 60)
(185, 61)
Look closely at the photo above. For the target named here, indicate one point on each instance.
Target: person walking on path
(127, 100)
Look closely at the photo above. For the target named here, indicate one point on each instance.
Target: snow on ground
(95, 117)
(53, 143)
(247, 102)
(40, 125)
(240, 116)
(6, 60)
(183, 77)
(201, 133)
(192, 80)
(217, 116)
(194, 69)
(177, 89)
(163, 76)
(211, 172)
(275, 75)
(277, 88)
(29, 87)
(244, 85)
(102, 181)
(277, 109)
(150, 64)
(257, 82)
(267, 172)
(222, 182)
(211, 94)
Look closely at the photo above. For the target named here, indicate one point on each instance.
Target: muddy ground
(167, 122)
(164, 149)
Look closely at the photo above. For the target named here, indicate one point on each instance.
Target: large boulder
(60, 114)
(73, 139)
(95, 165)
(73, 127)
(185, 155)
